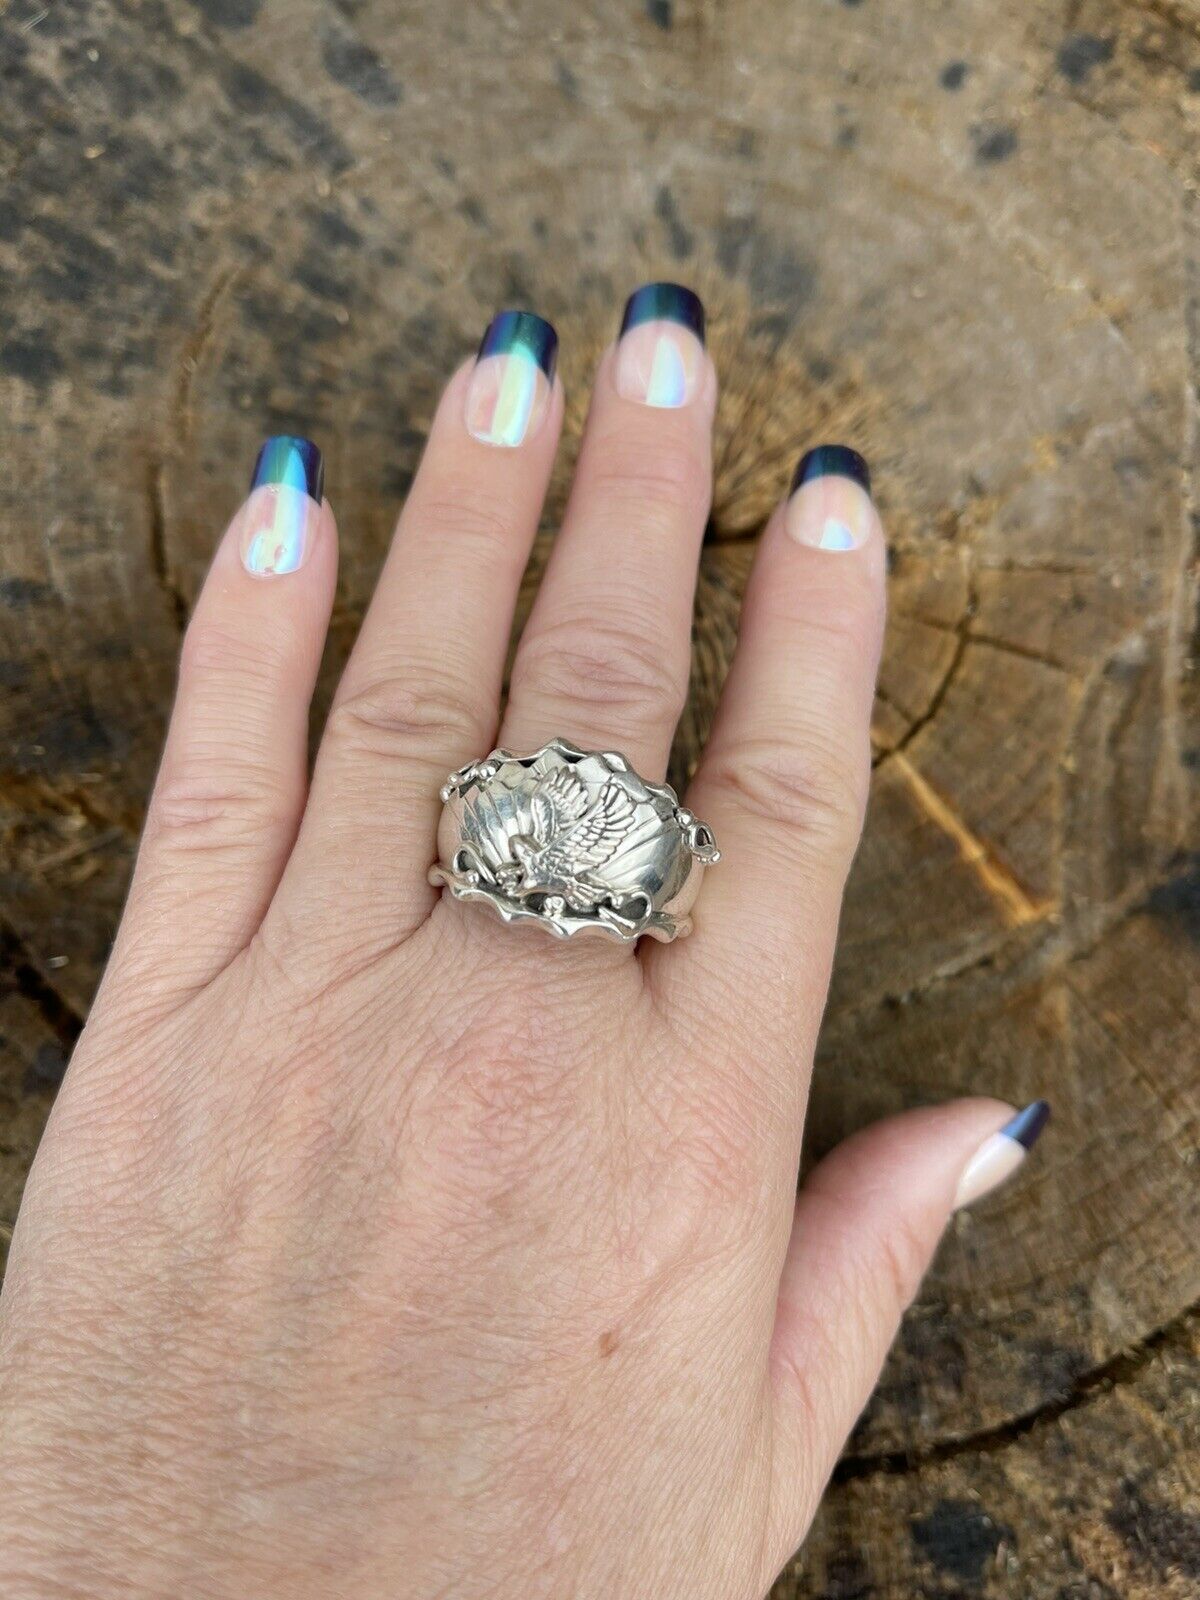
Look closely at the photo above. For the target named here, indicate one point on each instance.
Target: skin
(375, 1249)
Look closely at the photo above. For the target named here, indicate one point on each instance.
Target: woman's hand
(377, 1249)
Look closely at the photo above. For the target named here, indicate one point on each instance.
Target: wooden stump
(962, 239)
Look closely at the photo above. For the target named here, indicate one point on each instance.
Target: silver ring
(573, 840)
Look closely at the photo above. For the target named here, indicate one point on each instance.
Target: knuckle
(605, 664)
(804, 786)
(651, 474)
(213, 650)
(395, 717)
(479, 527)
(901, 1256)
(197, 813)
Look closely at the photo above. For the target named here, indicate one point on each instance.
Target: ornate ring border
(467, 878)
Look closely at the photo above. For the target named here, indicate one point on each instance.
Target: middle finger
(603, 660)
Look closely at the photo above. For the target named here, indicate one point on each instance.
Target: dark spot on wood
(132, 87)
(953, 75)
(660, 13)
(84, 256)
(21, 592)
(1079, 53)
(567, 81)
(1193, 81)
(847, 1577)
(75, 739)
(352, 63)
(852, 3)
(1051, 1368)
(30, 359)
(1177, 898)
(505, 280)
(994, 142)
(847, 136)
(678, 236)
(255, 97)
(608, 1342)
(230, 13)
(959, 1538)
(325, 285)
(1159, 1536)
(774, 268)
(334, 230)
(10, 221)
(473, 209)
(45, 1072)
(773, 326)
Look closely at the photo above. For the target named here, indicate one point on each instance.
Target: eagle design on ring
(574, 840)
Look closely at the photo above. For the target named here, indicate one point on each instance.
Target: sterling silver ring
(573, 840)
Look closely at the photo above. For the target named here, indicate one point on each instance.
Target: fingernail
(660, 357)
(513, 377)
(830, 502)
(283, 510)
(999, 1156)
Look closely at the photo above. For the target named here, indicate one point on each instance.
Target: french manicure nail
(283, 510)
(829, 506)
(1001, 1153)
(660, 357)
(513, 377)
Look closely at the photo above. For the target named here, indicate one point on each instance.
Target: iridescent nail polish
(660, 357)
(513, 378)
(283, 510)
(1001, 1153)
(830, 505)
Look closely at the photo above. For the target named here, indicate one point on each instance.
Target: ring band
(573, 840)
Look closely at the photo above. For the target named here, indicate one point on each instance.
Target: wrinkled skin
(374, 1249)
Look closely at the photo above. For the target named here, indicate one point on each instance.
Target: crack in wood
(1174, 1337)
(159, 561)
(20, 974)
(1018, 907)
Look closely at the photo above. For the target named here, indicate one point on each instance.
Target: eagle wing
(590, 841)
(557, 803)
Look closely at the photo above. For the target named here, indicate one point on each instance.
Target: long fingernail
(514, 374)
(830, 502)
(999, 1156)
(660, 359)
(281, 515)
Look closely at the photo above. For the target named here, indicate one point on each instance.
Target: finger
(867, 1223)
(420, 693)
(231, 786)
(783, 781)
(603, 660)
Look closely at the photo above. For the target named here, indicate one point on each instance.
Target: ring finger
(603, 660)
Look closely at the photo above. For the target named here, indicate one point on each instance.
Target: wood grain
(961, 238)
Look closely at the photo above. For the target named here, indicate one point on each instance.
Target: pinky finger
(232, 783)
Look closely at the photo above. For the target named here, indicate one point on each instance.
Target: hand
(377, 1249)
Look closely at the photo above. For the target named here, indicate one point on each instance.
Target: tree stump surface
(962, 238)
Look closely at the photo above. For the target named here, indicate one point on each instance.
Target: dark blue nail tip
(522, 330)
(832, 460)
(1026, 1127)
(670, 302)
(286, 459)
